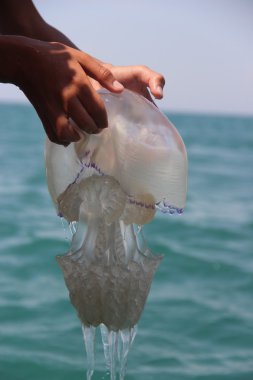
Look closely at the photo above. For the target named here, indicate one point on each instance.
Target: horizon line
(174, 111)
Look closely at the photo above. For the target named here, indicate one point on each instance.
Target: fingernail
(159, 90)
(117, 85)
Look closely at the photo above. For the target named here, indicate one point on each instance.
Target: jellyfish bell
(141, 149)
(107, 183)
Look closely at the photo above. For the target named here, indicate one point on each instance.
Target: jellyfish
(106, 186)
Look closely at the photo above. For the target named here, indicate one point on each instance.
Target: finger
(81, 117)
(156, 84)
(48, 124)
(151, 79)
(41, 108)
(55, 122)
(63, 130)
(137, 77)
(99, 72)
(94, 106)
(49, 127)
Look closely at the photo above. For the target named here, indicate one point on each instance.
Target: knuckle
(144, 68)
(57, 45)
(104, 74)
(77, 78)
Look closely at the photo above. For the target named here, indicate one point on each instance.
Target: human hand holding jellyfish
(56, 76)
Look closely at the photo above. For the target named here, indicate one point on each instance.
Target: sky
(204, 48)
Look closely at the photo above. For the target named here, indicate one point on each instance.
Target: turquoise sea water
(198, 322)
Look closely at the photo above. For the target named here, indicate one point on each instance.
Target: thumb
(97, 71)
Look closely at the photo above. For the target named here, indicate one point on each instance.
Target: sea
(198, 320)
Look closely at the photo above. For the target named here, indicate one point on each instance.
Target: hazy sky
(203, 47)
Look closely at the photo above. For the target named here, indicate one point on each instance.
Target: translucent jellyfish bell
(141, 149)
(106, 183)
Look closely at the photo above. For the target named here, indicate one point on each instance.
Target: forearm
(20, 17)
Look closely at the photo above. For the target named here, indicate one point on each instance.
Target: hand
(54, 77)
(138, 79)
